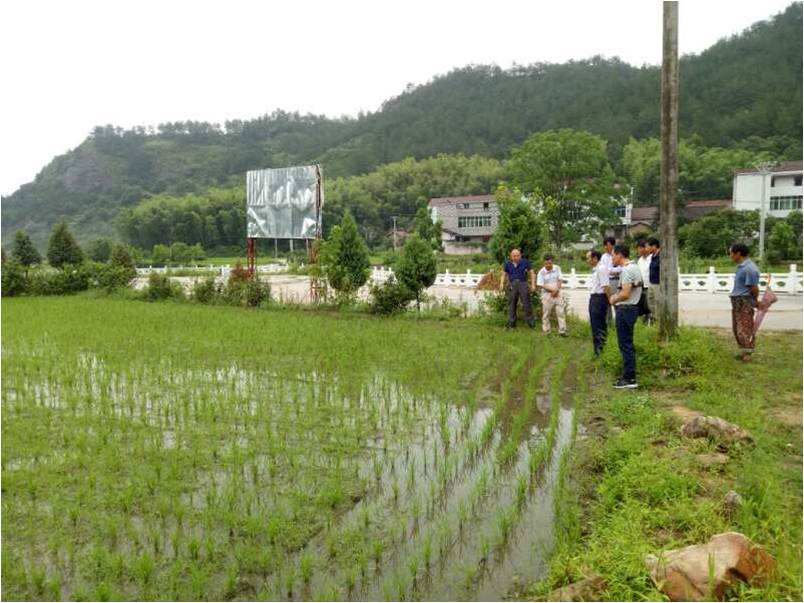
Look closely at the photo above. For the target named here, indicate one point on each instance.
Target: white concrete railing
(707, 282)
(221, 270)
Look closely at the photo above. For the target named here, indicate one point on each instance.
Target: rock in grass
(701, 571)
(715, 459)
(716, 429)
(588, 589)
(732, 502)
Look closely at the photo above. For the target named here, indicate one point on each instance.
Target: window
(620, 211)
(797, 180)
(773, 181)
(474, 221)
(486, 204)
(784, 203)
(466, 206)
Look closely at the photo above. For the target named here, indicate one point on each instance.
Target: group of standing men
(628, 290)
(617, 292)
(622, 291)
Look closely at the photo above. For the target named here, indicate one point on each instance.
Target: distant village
(468, 223)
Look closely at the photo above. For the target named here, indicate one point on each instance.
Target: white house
(783, 189)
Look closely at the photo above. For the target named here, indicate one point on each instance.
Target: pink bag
(768, 299)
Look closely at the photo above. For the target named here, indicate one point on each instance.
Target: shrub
(111, 277)
(206, 291)
(14, 282)
(244, 289)
(389, 298)
(161, 287)
(70, 279)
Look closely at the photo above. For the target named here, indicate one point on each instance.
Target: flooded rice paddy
(140, 464)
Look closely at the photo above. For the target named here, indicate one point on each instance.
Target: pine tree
(62, 248)
(416, 268)
(346, 257)
(24, 251)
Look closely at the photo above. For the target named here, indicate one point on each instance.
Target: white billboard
(284, 203)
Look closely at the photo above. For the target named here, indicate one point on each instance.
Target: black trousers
(626, 317)
(519, 290)
(598, 308)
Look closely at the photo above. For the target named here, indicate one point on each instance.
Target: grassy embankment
(635, 486)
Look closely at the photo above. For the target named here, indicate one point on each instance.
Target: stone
(715, 459)
(732, 502)
(588, 589)
(716, 429)
(684, 574)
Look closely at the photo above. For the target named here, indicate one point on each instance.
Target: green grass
(179, 451)
(635, 486)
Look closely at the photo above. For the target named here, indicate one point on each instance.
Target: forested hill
(743, 91)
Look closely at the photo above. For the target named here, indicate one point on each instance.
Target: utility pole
(668, 286)
(764, 168)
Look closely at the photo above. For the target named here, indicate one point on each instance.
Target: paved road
(714, 310)
(701, 309)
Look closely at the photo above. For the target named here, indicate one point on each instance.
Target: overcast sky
(70, 65)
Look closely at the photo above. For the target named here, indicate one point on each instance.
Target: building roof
(782, 166)
(692, 210)
(441, 201)
(709, 203)
(644, 214)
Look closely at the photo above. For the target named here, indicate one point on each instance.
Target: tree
(62, 248)
(345, 257)
(160, 255)
(24, 251)
(427, 229)
(416, 268)
(519, 226)
(121, 257)
(569, 173)
(100, 250)
(710, 236)
(781, 243)
(180, 252)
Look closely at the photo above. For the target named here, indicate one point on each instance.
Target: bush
(496, 306)
(244, 289)
(389, 298)
(111, 277)
(70, 279)
(206, 291)
(161, 287)
(14, 282)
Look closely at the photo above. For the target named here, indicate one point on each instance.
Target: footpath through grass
(635, 486)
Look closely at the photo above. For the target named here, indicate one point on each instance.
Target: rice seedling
(250, 451)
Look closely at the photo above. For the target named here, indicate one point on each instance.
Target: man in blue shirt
(519, 280)
(744, 297)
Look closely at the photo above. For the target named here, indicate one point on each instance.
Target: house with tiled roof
(467, 223)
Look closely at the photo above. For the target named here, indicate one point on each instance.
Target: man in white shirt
(549, 281)
(599, 291)
(645, 257)
(612, 268)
